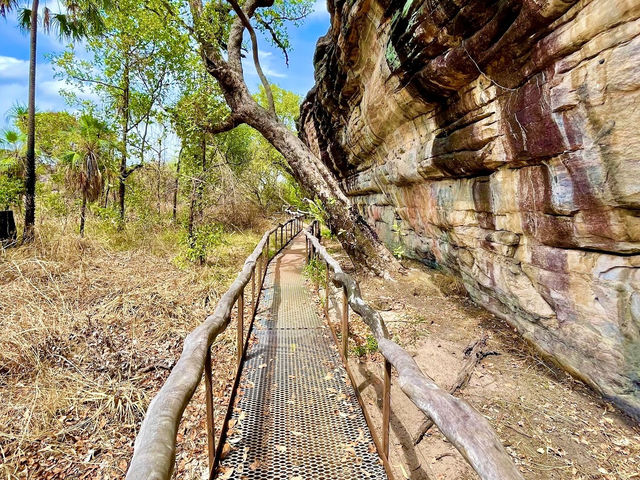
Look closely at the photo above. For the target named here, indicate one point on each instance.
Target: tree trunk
(30, 180)
(200, 192)
(83, 212)
(353, 232)
(175, 188)
(192, 208)
(357, 238)
(7, 228)
(125, 131)
(106, 195)
(159, 176)
(203, 176)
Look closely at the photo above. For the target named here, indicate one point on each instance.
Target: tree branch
(229, 123)
(274, 36)
(130, 170)
(234, 47)
(254, 47)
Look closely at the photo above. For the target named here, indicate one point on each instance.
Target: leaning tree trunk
(30, 181)
(83, 211)
(356, 236)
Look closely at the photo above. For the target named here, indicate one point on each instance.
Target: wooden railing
(154, 450)
(463, 426)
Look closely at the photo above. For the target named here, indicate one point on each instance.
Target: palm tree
(93, 147)
(81, 19)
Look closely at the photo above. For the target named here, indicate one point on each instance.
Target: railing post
(345, 323)
(253, 289)
(326, 291)
(306, 248)
(258, 270)
(386, 408)
(211, 437)
(240, 337)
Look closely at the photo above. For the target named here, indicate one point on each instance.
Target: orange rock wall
(500, 140)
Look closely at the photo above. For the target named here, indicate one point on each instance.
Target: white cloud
(14, 81)
(13, 68)
(266, 62)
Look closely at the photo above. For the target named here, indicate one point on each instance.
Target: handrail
(463, 426)
(154, 449)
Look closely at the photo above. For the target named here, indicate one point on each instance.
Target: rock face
(500, 139)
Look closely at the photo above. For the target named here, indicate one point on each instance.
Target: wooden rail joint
(466, 429)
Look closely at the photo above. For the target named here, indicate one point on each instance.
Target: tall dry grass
(89, 330)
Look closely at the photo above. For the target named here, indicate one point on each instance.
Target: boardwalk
(296, 415)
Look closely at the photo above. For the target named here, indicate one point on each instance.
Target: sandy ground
(553, 426)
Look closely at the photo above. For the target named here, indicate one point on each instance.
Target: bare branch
(274, 36)
(93, 80)
(254, 47)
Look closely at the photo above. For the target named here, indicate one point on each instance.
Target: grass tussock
(90, 329)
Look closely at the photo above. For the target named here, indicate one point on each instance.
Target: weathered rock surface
(500, 139)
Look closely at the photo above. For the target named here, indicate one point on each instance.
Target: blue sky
(14, 66)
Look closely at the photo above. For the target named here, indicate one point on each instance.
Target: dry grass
(90, 329)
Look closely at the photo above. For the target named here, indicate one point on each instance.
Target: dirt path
(553, 426)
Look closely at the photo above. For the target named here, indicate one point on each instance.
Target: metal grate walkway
(296, 416)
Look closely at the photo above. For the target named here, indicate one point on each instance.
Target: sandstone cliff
(500, 139)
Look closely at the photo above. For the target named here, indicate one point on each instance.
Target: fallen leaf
(281, 448)
(226, 472)
(225, 450)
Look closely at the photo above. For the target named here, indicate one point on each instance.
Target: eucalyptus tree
(77, 19)
(133, 66)
(218, 30)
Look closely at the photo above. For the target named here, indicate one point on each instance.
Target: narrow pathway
(297, 416)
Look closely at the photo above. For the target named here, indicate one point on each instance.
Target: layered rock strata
(500, 140)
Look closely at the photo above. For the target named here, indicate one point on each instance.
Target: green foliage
(399, 251)
(204, 238)
(287, 104)
(314, 270)
(11, 190)
(80, 19)
(317, 211)
(370, 346)
(54, 203)
(92, 144)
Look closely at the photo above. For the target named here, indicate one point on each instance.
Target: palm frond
(17, 112)
(24, 18)
(61, 25)
(6, 6)
(46, 19)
